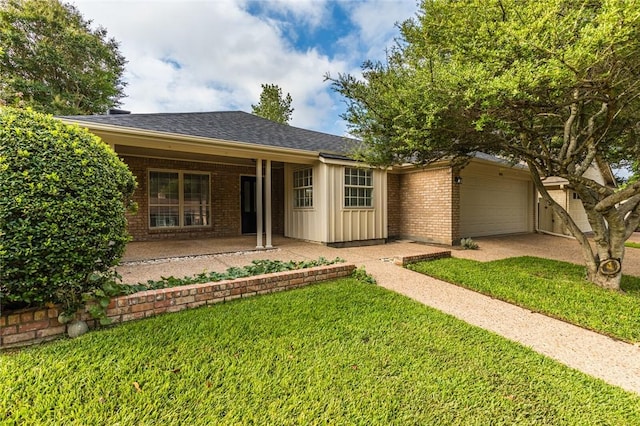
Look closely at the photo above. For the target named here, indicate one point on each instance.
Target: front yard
(342, 352)
(554, 288)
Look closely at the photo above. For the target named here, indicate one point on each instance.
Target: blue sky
(213, 55)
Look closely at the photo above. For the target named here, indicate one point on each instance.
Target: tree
(272, 105)
(551, 83)
(53, 61)
(63, 197)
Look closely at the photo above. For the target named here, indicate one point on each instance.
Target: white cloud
(214, 55)
(309, 12)
(376, 24)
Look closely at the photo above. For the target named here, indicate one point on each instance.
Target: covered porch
(188, 190)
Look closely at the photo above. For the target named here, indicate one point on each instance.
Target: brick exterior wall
(424, 206)
(225, 199)
(28, 326)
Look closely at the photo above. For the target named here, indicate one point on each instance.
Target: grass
(632, 244)
(342, 352)
(555, 288)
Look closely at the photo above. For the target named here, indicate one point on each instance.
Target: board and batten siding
(329, 221)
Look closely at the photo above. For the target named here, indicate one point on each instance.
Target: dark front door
(248, 204)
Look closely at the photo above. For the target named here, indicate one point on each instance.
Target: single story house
(221, 174)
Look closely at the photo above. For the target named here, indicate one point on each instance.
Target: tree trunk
(609, 239)
(592, 264)
(604, 263)
(611, 282)
(604, 266)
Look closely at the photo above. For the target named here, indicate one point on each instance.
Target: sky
(213, 55)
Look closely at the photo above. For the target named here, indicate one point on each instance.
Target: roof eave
(232, 148)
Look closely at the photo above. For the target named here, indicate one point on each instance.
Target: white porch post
(259, 204)
(267, 206)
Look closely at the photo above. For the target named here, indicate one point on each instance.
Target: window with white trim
(358, 187)
(179, 199)
(303, 188)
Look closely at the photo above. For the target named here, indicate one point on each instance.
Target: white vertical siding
(328, 221)
(356, 223)
(303, 223)
(577, 212)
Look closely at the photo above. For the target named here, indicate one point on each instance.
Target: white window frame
(363, 191)
(303, 188)
(181, 203)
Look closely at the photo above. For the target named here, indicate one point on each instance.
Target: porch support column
(267, 207)
(259, 204)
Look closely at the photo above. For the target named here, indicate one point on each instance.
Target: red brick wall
(225, 199)
(429, 206)
(24, 327)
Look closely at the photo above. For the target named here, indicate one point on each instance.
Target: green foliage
(554, 288)
(362, 275)
(468, 244)
(272, 105)
(632, 244)
(257, 267)
(553, 84)
(51, 59)
(97, 299)
(508, 76)
(338, 353)
(63, 197)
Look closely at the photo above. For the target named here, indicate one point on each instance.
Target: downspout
(536, 210)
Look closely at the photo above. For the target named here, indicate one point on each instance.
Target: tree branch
(563, 215)
(618, 197)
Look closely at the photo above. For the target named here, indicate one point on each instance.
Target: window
(178, 199)
(358, 187)
(575, 195)
(303, 188)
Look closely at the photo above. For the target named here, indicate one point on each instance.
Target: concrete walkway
(613, 361)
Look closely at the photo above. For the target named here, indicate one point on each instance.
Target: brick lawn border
(29, 326)
(405, 260)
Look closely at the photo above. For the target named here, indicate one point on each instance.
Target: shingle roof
(235, 126)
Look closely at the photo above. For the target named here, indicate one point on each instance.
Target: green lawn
(632, 244)
(335, 353)
(555, 288)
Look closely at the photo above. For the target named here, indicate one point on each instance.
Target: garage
(495, 200)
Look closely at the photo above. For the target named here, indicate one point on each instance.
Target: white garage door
(491, 204)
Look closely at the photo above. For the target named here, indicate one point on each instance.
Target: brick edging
(405, 260)
(29, 326)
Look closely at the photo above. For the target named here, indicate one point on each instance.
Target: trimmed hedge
(63, 198)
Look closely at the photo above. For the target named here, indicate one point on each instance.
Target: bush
(468, 244)
(63, 198)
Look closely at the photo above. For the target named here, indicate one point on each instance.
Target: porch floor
(164, 249)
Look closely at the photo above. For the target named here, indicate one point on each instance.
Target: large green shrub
(63, 198)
